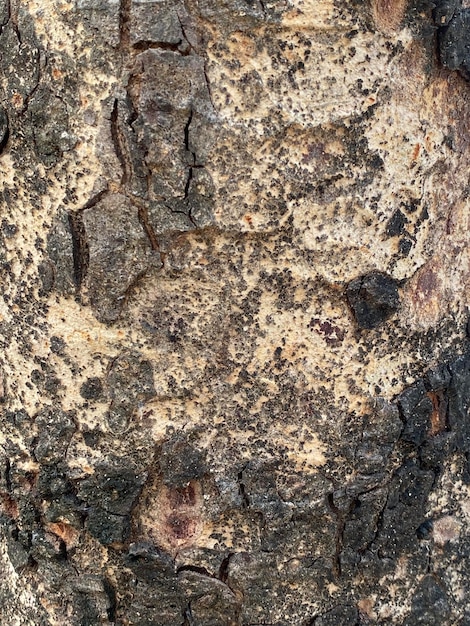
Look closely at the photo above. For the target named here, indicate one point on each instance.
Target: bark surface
(235, 368)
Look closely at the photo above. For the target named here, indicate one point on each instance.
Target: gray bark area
(235, 368)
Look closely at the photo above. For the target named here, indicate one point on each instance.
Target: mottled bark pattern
(235, 366)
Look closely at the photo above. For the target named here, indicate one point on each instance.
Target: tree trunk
(235, 370)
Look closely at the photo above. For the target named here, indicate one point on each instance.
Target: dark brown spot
(388, 14)
(427, 283)
(439, 412)
(332, 334)
(180, 527)
(8, 506)
(182, 496)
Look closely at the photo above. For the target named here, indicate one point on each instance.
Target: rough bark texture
(235, 370)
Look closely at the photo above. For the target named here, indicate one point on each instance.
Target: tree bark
(235, 371)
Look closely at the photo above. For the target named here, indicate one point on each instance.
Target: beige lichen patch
(303, 448)
(250, 92)
(351, 238)
(310, 13)
(367, 605)
(446, 529)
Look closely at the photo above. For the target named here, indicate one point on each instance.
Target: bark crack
(242, 490)
(141, 46)
(192, 156)
(143, 216)
(4, 129)
(80, 250)
(8, 480)
(31, 94)
(119, 144)
(339, 537)
(13, 17)
(124, 24)
(111, 593)
(184, 35)
(208, 84)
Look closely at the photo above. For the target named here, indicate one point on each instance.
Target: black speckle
(405, 246)
(9, 230)
(396, 224)
(92, 389)
(57, 345)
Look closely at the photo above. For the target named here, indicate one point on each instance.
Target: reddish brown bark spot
(184, 496)
(427, 284)
(388, 14)
(17, 100)
(181, 527)
(173, 516)
(66, 532)
(8, 506)
(439, 412)
(331, 333)
(416, 152)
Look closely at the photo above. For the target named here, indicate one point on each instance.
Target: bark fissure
(223, 316)
(80, 250)
(31, 94)
(124, 24)
(147, 226)
(242, 491)
(119, 144)
(141, 46)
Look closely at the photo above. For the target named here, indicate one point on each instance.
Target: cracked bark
(235, 359)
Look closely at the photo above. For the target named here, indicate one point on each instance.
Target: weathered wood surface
(235, 267)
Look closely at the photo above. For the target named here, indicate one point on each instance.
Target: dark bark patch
(55, 432)
(346, 615)
(430, 605)
(180, 463)
(149, 562)
(396, 224)
(373, 298)
(4, 129)
(106, 527)
(92, 389)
